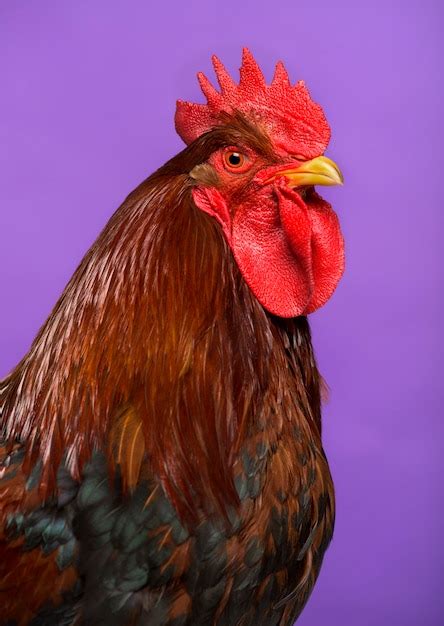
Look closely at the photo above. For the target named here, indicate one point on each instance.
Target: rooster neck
(157, 322)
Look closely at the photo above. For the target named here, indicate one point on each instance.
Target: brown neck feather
(157, 318)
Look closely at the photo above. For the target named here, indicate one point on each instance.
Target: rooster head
(257, 179)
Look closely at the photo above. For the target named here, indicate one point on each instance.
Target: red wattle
(322, 251)
(280, 279)
(327, 251)
(290, 252)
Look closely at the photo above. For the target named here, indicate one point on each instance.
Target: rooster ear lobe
(250, 72)
(211, 201)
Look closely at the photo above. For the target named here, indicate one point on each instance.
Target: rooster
(160, 456)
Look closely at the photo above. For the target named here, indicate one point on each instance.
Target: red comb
(288, 111)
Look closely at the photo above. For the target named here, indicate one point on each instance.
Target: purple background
(86, 112)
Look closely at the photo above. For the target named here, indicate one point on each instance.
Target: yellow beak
(318, 171)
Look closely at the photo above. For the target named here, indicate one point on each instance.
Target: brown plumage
(162, 391)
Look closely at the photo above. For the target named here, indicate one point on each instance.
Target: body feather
(186, 417)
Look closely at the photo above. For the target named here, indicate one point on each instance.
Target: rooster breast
(142, 566)
(105, 558)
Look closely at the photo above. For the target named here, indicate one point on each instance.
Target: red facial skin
(289, 248)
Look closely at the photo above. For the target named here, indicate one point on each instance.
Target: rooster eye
(234, 160)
